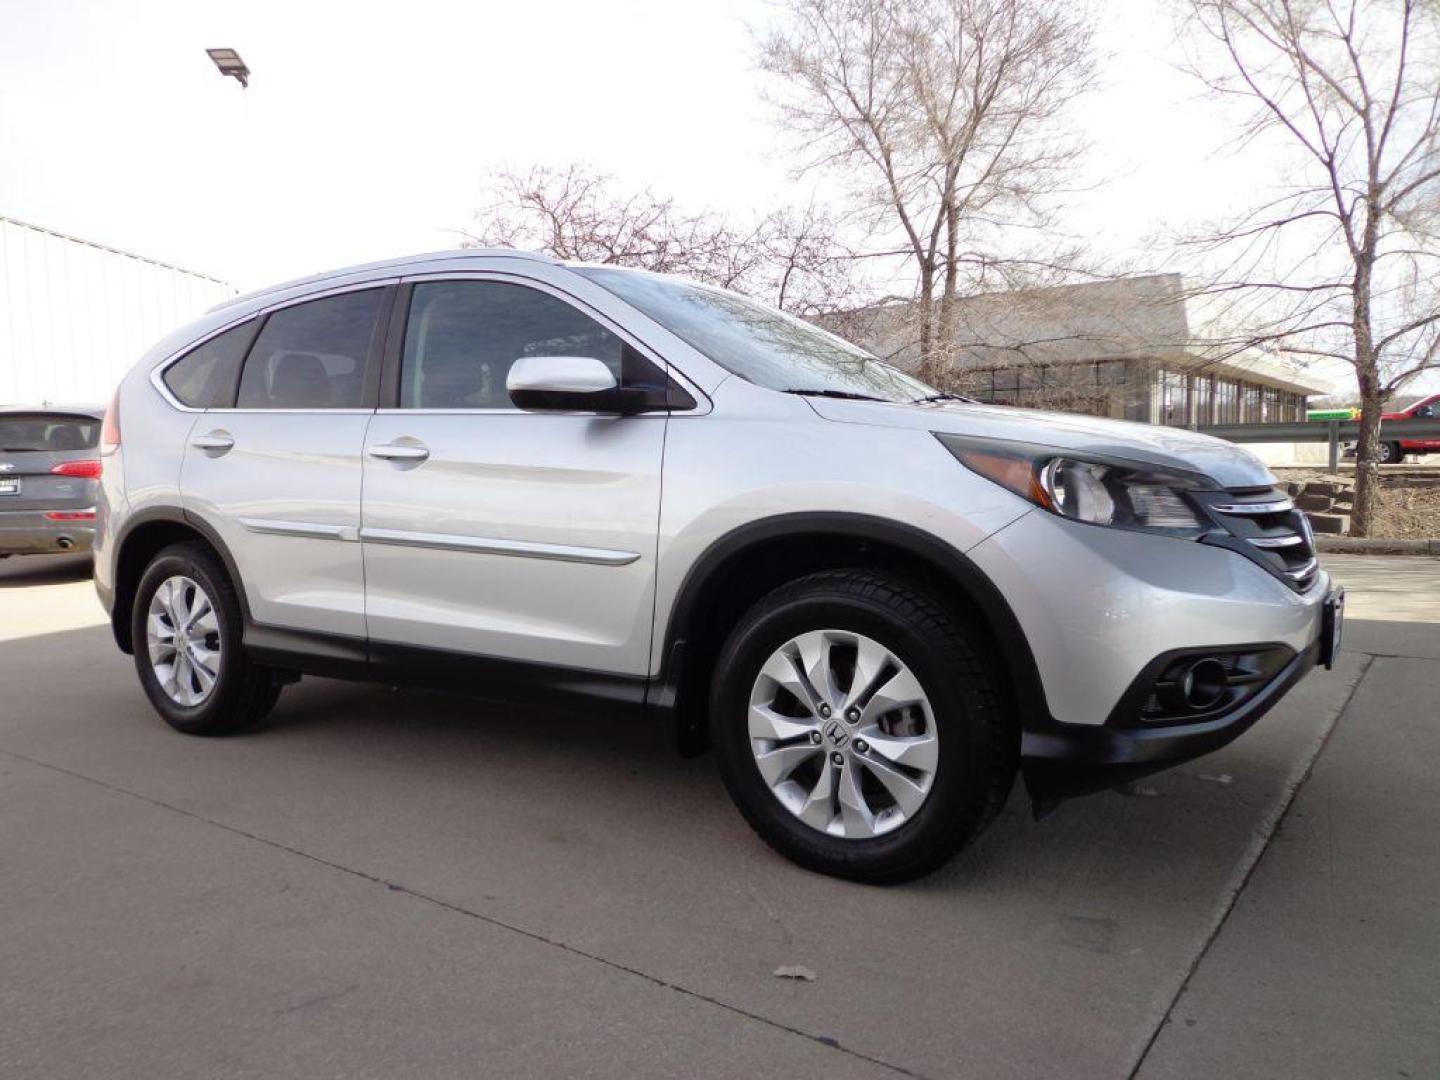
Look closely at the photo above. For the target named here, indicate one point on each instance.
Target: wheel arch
(746, 563)
(145, 535)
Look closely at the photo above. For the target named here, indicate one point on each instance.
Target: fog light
(1203, 684)
(1189, 685)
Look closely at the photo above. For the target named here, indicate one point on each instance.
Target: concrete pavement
(383, 883)
(1330, 963)
(44, 594)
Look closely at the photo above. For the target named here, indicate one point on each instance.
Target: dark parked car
(49, 467)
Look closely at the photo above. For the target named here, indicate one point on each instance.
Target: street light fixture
(229, 63)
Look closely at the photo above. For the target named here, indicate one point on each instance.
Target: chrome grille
(1276, 534)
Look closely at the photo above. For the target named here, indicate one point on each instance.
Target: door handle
(217, 442)
(399, 452)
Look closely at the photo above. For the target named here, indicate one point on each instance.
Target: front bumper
(1096, 605)
(29, 532)
(1099, 608)
(1063, 760)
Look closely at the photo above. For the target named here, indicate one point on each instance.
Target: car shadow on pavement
(463, 756)
(21, 571)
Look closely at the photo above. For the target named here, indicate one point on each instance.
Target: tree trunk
(945, 325)
(1367, 374)
(929, 368)
(1367, 452)
(943, 345)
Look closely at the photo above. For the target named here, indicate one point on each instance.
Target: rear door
(501, 533)
(277, 473)
(42, 462)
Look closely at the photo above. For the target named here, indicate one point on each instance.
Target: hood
(1226, 463)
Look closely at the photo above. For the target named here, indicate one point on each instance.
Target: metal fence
(1333, 432)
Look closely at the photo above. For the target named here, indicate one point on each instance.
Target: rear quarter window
(204, 378)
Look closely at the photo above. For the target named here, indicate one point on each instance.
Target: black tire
(244, 692)
(979, 740)
(1391, 454)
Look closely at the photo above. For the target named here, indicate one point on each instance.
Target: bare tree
(945, 114)
(792, 259)
(1343, 262)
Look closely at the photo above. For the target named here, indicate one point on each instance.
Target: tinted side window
(312, 355)
(462, 337)
(205, 376)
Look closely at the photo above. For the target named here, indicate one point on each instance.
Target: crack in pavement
(1250, 861)
(390, 886)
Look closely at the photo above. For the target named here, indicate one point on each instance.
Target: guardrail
(1333, 432)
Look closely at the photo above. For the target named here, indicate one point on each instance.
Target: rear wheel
(186, 626)
(858, 728)
(1391, 453)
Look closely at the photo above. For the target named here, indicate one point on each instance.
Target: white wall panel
(75, 315)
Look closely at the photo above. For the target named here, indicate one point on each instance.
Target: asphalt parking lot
(401, 884)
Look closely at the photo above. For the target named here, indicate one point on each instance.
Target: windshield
(760, 344)
(56, 434)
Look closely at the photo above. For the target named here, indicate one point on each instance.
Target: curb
(1356, 545)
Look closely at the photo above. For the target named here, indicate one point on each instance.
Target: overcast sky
(367, 128)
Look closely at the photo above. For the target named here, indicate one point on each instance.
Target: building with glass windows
(1131, 348)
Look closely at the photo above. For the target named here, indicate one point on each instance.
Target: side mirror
(568, 383)
(582, 384)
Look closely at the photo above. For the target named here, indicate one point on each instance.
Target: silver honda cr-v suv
(601, 488)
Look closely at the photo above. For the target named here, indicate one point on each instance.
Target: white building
(74, 315)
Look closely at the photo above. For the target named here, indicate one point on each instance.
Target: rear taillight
(69, 515)
(110, 429)
(81, 470)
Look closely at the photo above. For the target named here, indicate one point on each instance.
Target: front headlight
(1096, 490)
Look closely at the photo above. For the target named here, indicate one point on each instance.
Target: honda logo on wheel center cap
(836, 733)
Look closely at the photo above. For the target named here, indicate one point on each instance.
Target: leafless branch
(792, 258)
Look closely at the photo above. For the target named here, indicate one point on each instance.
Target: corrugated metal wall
(74, 316)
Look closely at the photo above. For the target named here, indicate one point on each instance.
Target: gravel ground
(1404, 513)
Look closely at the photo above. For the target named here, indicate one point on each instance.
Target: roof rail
(388, 264)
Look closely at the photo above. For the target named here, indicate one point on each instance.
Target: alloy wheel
(843, 734)
(183, 634)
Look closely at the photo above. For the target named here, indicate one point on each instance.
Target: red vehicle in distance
(1393, 451)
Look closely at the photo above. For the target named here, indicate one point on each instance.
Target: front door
(501, 533)
(1429, 410)
(278, 475)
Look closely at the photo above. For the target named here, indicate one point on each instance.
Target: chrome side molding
(278, 527)
(487, 546)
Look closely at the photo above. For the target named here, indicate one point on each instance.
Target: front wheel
(185, 630)
(859, 728)
(1391, 454)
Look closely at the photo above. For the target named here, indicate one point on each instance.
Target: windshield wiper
(845, 395)
(928, 398)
